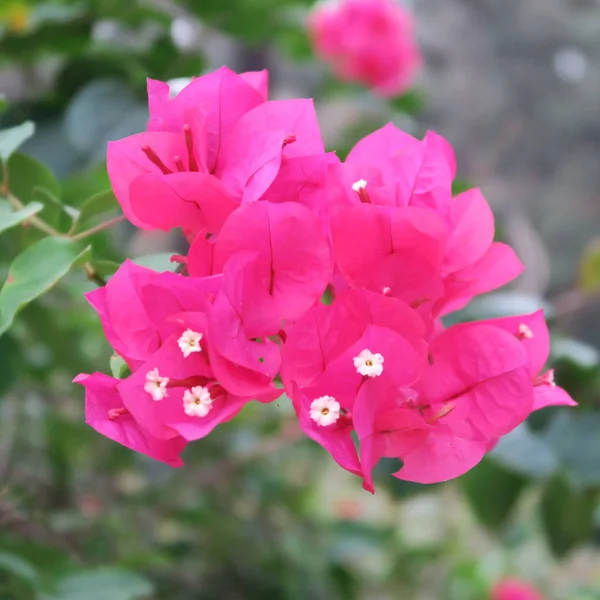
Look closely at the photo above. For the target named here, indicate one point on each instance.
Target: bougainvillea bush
(323, 280)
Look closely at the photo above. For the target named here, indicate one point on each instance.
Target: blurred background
(258, 512)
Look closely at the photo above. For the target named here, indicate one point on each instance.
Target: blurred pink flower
(367, 41)
(514, 589)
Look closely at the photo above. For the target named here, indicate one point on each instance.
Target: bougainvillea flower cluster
(367, 41)
(321, 279)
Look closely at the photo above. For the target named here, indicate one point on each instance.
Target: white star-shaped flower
(189, 342)
(325, 410)
(197, 401)
(156, 385)
(369, 364)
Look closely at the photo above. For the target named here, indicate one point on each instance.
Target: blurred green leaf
(567, 515)
(34, 272)
(102, 584)
(11, 139)
(411, 103)
(525, 453)
(461, 185)
(9, 217)
(3, 103)
(492, 492)
(118, 367)
(97, 204)
(589, 267)
(10, 364)
(158, 262)
(19, 567)
(575, 439)
(26, 176)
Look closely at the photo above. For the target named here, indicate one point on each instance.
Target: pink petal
(249, 161)
(125, 161)
(259, 80)
(102, 396)
(126, 324)
(191, 200)
(538, 346)
(292, 264)
(546, 395)
(496, 268)
(472, 230)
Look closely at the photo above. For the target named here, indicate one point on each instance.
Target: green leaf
(102, 584)
(34, 272)
(118, 367)
(492, 492)
(27, 177)
(525, 453)
(575, 439)
(461, 185)
(96, 205)
(11, 139)
(589, 268)
(15, 565)
(158, 262)
(105, 268)
(411, 103)
(3, 103)
(10, 364)
(567, 516)
(9, 217)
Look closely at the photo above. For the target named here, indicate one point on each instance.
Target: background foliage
(258, 512)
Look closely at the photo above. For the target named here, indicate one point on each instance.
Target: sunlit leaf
(34, 272)
(102, 584)
(11, 139)
(9, 217)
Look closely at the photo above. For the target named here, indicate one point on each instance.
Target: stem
(97, 228)
(93, 276)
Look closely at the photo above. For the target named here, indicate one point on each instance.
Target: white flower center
(359, 185)
(197, 401)
(325, 410)
(156, 385)
(189, 342)
(369, 364)
(524, 332)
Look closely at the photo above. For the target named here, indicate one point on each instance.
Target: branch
(97, 228)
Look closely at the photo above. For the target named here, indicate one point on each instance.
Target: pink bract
(514, 589)
(367, 41)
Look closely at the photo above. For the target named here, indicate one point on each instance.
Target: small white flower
(189, 342)
(369, 364)
(524, 332)
(156, 385)
(359, 185)
(197, 401)
(325, 410)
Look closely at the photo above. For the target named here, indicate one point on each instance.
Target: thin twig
(97, 228)
(93, 275)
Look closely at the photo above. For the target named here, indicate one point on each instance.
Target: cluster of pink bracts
(274, 222)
